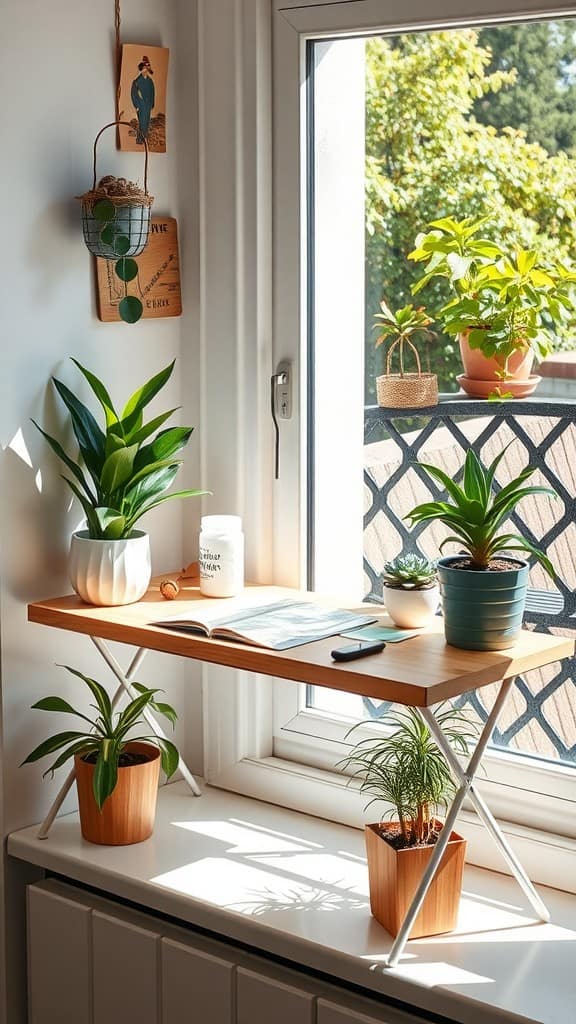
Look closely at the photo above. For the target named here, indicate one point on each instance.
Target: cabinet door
(262, 1000)
(195, 986)
(58, 959)
(332, 1013)
(126, 975)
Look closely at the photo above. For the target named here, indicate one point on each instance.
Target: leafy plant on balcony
(124, 469)
(502, 300)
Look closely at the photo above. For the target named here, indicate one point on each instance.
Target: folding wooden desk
(418, 673)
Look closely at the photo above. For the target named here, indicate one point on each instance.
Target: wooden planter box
(394, 876)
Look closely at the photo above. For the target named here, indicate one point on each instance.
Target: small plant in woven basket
(411, 572)
(400, 327)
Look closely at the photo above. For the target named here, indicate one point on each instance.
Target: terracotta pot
(477, 366)
(127, 816)
(394, 877)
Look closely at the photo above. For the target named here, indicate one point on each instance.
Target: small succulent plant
(409, 572)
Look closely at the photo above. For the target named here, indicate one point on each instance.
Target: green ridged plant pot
(483, 611)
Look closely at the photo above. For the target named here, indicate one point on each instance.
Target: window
(286, 750)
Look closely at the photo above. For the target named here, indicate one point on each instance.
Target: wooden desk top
(418, 672)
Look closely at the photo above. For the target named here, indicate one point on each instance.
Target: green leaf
(126, 269)
(105, 776)
(104, 210)
(151, 481)
(169, 756)
(52, 744)
(165, 709)
(121, 245)
(118, 468)
(101, 393)
(112, 523)
(166, 497)
(107, 234)
(130, 309)
(98, 692)
(88, 508)
(167, 443)
(90, 438)
(82, 747)
(140, 399)
(72, 466)
(139, 434)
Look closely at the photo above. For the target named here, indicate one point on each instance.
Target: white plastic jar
(221, 558)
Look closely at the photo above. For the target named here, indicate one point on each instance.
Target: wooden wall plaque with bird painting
(142, 97)
(157, 283)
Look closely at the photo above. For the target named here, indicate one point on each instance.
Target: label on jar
(221, 565)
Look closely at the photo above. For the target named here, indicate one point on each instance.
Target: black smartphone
(358, 650)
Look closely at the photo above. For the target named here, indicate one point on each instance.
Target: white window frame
(239, 709)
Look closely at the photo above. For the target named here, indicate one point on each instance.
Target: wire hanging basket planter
(116, 217)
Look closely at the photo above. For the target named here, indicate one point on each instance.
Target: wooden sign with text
(157, 283)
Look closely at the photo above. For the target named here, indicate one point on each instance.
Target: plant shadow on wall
(123, 471)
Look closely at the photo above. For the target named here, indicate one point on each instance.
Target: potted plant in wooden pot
(506, 305)
(116, 773)
(406, 770)
(123, 471)
(411, 592)
(404, 389)
(483, 587)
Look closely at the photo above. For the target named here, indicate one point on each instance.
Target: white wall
(57, 87)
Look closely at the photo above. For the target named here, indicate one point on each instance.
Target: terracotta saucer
(484, 388)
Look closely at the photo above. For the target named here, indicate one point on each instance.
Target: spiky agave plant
(107, 735)
(407, 770)
(476, 511)
(118, 477)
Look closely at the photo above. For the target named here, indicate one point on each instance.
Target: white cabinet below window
(263, 1000)
(195, 986)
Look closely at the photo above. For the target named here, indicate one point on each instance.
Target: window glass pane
(467, 123)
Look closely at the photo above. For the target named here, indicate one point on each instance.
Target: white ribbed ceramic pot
(109, 572)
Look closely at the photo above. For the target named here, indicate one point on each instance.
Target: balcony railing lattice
(397, 441)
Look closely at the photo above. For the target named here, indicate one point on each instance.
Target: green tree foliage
(542, 99)
(428, 157)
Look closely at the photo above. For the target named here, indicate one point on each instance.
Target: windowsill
(296, 887)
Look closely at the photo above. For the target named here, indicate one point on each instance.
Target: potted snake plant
(123, 470)
(116, 773)
(411, 592)
(484, 586)
(505, 308)
(406, 771)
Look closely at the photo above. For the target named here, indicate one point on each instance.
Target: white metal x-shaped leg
(465, 777)
(124, 678)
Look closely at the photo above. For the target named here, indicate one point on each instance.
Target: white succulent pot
(411, 608)
(110, 572)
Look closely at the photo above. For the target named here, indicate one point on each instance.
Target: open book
(278, 626)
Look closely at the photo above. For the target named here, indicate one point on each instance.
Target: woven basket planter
(127, 225)
(406, 390)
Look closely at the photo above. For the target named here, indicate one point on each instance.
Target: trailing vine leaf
(104, 210)
(121, 245)
(126, 269)
(107, 234)
(130, 309)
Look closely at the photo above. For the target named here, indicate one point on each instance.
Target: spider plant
(407, 770)
(118, 477)
(474, 512)
(107, 736)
